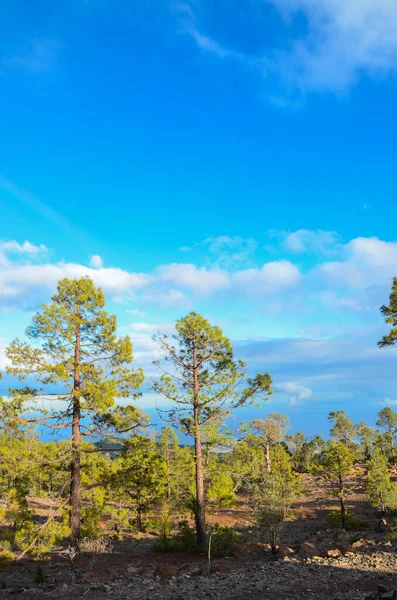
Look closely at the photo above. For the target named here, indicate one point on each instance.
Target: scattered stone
(308, 550)
(345, 548)
(284, 550)
(240, 551)
(335, 553)
(166, 571)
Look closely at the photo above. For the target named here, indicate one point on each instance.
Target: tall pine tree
(204, 383)
(75, 354)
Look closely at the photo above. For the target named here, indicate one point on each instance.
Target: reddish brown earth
(132, 570)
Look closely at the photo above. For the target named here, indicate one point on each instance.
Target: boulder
(333, 553)
(166, 571)
(284, 551)
(308, 550)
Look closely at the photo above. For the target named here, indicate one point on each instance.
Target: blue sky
(237, 158)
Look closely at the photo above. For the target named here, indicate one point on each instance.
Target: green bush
(352, 523)
(6, 556)
(183, 540)
(223, 540)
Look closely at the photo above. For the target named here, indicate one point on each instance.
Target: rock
(334, 553)
(284, 550)
(222, 567)
(166, 571)
(391, 595)
(382, 589)
(240, 551)
(99, 574)
(345, 547)
(307, 549)
(135, 570)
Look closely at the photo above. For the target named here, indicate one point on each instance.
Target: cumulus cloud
(12, 247)
(195, 279)
(96, 262)
(24, 284)
(343, 40)
(272, 277)
(168, 299)
(306, 241)
(369, 261)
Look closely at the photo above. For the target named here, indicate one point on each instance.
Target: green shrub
(223, 540)
(6, 556)
(183, 540)
(352, 523)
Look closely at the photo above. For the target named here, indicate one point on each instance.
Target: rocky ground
(252, 574)
(316, 563)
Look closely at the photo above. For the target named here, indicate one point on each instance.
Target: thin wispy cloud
(38, 55)
(42, 209)
(341, 42)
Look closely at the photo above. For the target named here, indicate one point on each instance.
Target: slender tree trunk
(139, 517)
(167, 462)
(198, 452)
(75, 475)
(342, 501)
(268, 461)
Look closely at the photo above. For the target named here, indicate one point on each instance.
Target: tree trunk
(198, 454)
(75, 475)
(342, 502)
(200, 496)
(167, 463)
(268, 461)
(139, 518)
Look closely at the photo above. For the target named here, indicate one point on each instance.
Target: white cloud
(169, 299)
(369, 261)
(272, 277)
(225, 250)
(340, 41)
(306, 241)
(200, 280)
(22, 283)
(207, 44)
(12, 247)
(25, 248)
(343, 39)
(151, 328)
(296, 391)
(3, 359)
(96, 262)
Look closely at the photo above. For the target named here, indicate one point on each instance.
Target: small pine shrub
(6, 556)
(223, 540)
(352, 523)
(183, 541)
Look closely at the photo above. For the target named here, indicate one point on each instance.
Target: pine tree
(168, 445)
(338, 463)
(387, 420)
(272, 430)
(204, 384)
(74, 350)
(274, 494)
(380, 489)
(140, 477)
(343, 428)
